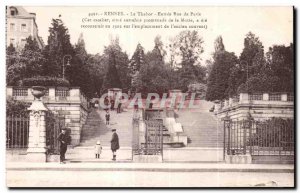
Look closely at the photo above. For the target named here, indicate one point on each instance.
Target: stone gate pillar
(36, 151)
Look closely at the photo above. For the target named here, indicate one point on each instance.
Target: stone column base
(238, 159)
(36, 155)
(147, 158)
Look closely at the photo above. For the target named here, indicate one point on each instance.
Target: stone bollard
(36, 151)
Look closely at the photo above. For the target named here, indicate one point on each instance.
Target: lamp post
(247, 74)
(68, 63)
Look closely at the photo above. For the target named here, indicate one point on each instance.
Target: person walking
(107, 118)
(114, 144)
(64, 140)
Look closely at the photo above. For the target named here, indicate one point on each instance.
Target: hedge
(45, 81)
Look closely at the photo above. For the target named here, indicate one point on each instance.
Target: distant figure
(112, 104)
(98, 149)
(151, 104)
(136, 105)
(96, 104)
(114, 144)
(64, 140)
(107, 117)
(106, 103)
(119, 106)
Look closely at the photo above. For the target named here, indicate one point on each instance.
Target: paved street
(144, 178)
(148, 174)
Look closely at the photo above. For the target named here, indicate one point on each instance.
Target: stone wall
(73, 106)
(75, 117)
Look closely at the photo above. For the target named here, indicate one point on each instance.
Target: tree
(276, 76)
(188, 47)
(153, 76)
(96, 67)
(80, 48)
(138, 59)
(252, 57)
(280, 60)
(218, 80)
(251, 62)
(58, 46)
(120, 61)
(111, 79)
(186, 50)
(78, 73)
(135, 64)
(25, 63)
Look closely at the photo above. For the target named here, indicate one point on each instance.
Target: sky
(273, 25)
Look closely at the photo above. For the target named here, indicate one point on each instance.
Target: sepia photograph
(150, 97)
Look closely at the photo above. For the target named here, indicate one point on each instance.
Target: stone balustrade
(259, 98)
(53, 95)
(261, 105)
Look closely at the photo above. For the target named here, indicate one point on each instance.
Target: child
(98, 149)
(107, 117)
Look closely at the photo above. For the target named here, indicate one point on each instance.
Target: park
(173, 112)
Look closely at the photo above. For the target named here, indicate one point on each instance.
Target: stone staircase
(96, 129)
(201, 127)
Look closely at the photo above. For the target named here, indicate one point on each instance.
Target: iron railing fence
(17, 130)
(259, 138)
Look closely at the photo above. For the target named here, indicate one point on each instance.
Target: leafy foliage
(45, 81)
(58, 46)
(24, 63)
(16, 107)
(218, 80)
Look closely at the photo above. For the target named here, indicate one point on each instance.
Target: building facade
(21, 24)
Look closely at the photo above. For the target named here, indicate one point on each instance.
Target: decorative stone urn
(38, 92)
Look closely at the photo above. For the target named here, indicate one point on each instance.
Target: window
(12, 12)
(23, 42)
(12, 41)
(12, 27)
(23, 27)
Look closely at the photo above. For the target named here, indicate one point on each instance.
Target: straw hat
(98, 143)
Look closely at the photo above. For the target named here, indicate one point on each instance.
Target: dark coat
(115, 142)
(64, 138)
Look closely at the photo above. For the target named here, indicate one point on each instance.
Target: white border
(3, 3)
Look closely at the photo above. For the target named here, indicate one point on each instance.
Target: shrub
(45, 81)
(16, 107)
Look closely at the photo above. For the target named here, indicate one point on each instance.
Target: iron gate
(273, 137)
(54, 124)
(148, 141)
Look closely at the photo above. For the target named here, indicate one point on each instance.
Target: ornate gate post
(227, 126)
(36, 151)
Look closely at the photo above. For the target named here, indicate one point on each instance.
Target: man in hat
(114, 143)
(64, 140)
